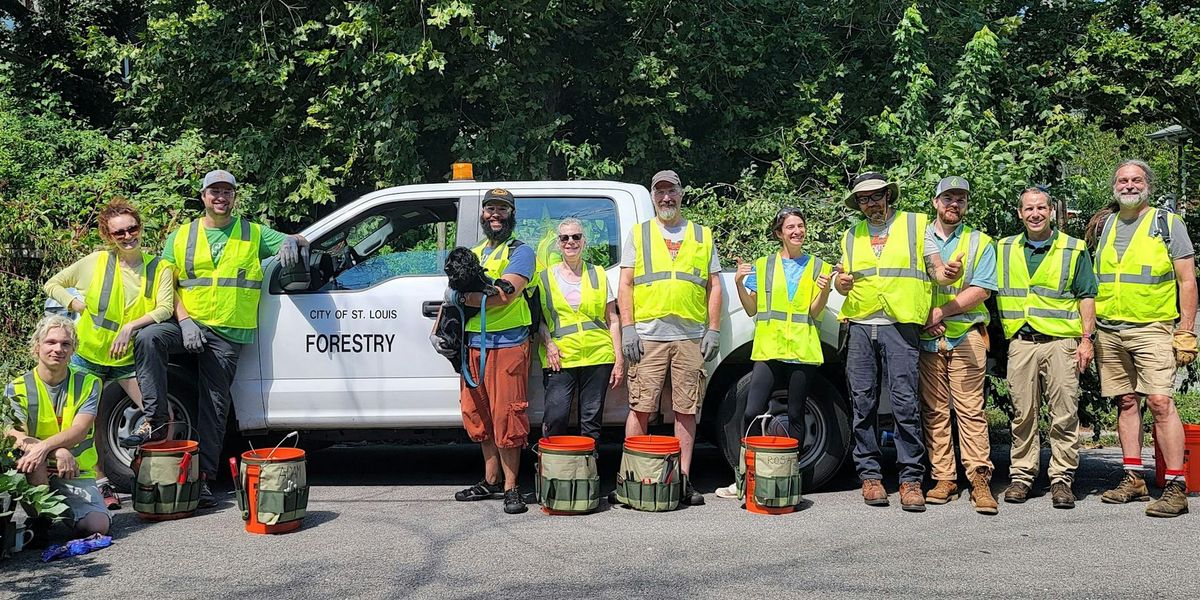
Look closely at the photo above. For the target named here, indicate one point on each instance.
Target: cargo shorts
(1139, 359)
(496, 409)
(682, 362)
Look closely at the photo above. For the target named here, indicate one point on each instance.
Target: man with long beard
(1147, 277)
(494, 413)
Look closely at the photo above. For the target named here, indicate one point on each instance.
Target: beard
(667, 214)
(1131, 200)
(504, 232)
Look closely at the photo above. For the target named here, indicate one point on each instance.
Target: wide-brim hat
(870, 182)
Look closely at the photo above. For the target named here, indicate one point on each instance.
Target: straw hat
(870, 182)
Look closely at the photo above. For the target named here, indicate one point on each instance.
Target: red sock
(1133, 464)
(1175, 474)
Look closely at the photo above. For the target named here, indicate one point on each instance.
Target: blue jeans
(892, 349)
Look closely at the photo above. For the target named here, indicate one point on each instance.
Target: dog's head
(464, 271)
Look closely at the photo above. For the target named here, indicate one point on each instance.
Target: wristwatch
(1091, 337)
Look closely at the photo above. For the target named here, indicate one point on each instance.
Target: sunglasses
(127, 232)
(563, 237)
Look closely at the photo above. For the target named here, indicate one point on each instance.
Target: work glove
(440, 347)
(193, 337)
(291, 252)
(631, 344)
(1184, 342)
(710, 344)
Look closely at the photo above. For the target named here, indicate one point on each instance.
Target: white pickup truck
(351, 361)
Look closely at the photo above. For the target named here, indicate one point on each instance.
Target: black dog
(465, 275)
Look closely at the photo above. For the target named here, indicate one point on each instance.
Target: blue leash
(466, 351)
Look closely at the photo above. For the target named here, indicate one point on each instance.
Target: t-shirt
(82, 272)
(521, 261)
(879, 237)
(58, 397)
(1083, 284)
(572, 291)
(1180, 247)
(793, 269)
(671, 327)
(983, 273)
(218, 237)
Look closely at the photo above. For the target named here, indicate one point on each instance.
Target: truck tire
(118, 417)
(827, 442)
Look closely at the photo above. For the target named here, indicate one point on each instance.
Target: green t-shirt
(268, 245)
(1083, 284)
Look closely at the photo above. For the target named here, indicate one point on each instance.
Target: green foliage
(38, 499)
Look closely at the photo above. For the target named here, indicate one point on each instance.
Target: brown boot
(873, 493)
(1061, 495)
(981, 492)
(1172, 503)
(911, 498)
(942, 493)
(1016, 492)
(1131, 489)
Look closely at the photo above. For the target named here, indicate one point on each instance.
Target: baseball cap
(499, 195)
(217, 176)
(667, 175)
(951, 183)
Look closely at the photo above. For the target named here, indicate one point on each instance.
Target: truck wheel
(119, 417)
(827, 440)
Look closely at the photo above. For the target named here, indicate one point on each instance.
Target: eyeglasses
(220, 193)
(879, 196)
(667, 192)
(563, 237)
(497, 209)
(127, 232)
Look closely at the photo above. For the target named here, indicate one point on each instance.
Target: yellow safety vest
(972, 243)
(512, 315)
(224, 295)
(580, 334)
(783, 329)
(895, 282)
(105, 312)
(1044, 300)
(1138, 286)
(42, 422)
(663, 286)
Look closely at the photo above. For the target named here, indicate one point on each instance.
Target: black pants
(592, 384)
(217, 363)
(762, 382)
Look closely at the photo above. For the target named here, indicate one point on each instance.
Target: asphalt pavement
(382, 523)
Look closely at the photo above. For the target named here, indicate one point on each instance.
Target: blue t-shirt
(793, 269)
(521, 261)
(983, 275)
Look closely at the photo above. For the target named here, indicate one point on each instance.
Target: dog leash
(466, 352)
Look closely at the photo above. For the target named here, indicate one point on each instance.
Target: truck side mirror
(306, 277)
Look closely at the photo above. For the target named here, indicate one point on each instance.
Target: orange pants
(496, 409)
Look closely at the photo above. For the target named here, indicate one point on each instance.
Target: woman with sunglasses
(121, 289)
(785, 293)
(581, 336)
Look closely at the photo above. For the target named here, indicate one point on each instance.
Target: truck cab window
(538, 219)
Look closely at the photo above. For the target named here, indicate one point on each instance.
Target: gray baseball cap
(667, 175)
(217, 176)
(952, 183)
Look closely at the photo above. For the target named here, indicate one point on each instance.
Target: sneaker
(873, 493)
(942, 493)
(109, 494)
(144, 434)
(207, 500)
(690, 496)
(1172, 503)
(514, 504)
(1061, 495)
(730, 491)
(911, 498)
(1017, 492)
(981, 492)
(480, 491)
(1131, 489)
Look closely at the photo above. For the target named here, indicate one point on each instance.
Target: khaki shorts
(683, 362)
(1140, 359)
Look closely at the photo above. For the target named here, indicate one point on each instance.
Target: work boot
(911, 498)
(1061, 495)
(1172, 503)
(690, 496)
(981, 492)
(873, 493)
(514, 504)
(1017, 492)
(942, 493)
(1131, 489)
(207, 500)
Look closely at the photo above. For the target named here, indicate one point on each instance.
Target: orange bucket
(568, 482)
(253, 463)
(1191, 457)
(765, 442)
(653, 444)
(567, 443)
(166, 500)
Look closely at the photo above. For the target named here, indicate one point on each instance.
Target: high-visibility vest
(105, 311)
(41, 421)
(783, 329)
(1139, 285)
(972, 243)
(580, 334)
(1043, 300)
(663, 286)
(512, 315)
(224, 295)
(895, 282)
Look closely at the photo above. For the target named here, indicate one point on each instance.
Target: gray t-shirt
(669, 328)
(1179, 247)
(58, 397)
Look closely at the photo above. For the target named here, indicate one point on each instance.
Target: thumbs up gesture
(743, 270)
(843, 281)
(953, 269)
(823, 281)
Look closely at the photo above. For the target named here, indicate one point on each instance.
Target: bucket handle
(294, 434)
(191, 430)
(766, 422)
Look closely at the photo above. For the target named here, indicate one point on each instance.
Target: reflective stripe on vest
(225, 294)
(973, 243)
(895, 282)
(663, 286)
(1043, 300)
(39, 426)
(107, 311)
(783, 329)
(512, 315)
(580, 334)
(1137, 286)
